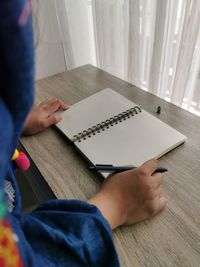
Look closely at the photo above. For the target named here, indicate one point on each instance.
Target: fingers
(54, 105)
(156, 180)
(150, 185)
(61, 103)
(147, 168)
(51, 120)
(155, 205)
(161, 202)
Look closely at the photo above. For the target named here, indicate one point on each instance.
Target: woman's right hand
(131, 196)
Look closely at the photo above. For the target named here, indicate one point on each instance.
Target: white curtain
(154, 44)
(49, 50)
(75, 27)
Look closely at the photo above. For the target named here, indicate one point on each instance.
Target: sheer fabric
(154, 44)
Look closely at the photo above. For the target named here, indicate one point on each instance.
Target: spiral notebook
(107, 128)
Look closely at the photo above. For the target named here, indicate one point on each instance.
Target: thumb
(150, 165)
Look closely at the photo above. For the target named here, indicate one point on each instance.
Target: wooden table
(172, 238)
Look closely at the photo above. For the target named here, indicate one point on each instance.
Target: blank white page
(92, 110)
(131, 142)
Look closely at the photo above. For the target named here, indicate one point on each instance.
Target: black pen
(111, 168)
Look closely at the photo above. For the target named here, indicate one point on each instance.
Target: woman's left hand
(43, 115)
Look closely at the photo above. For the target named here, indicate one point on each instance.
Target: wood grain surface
(171, 238)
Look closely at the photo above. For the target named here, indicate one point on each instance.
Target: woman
(58, 232)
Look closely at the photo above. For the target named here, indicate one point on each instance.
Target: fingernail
(58, 118)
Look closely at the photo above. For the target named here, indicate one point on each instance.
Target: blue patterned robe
(58, 233)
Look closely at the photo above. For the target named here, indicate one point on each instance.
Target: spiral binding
(106, 124)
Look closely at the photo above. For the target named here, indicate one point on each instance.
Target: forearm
(109, 209)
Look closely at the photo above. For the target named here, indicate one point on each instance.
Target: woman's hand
(42, 116)
(131, 196)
